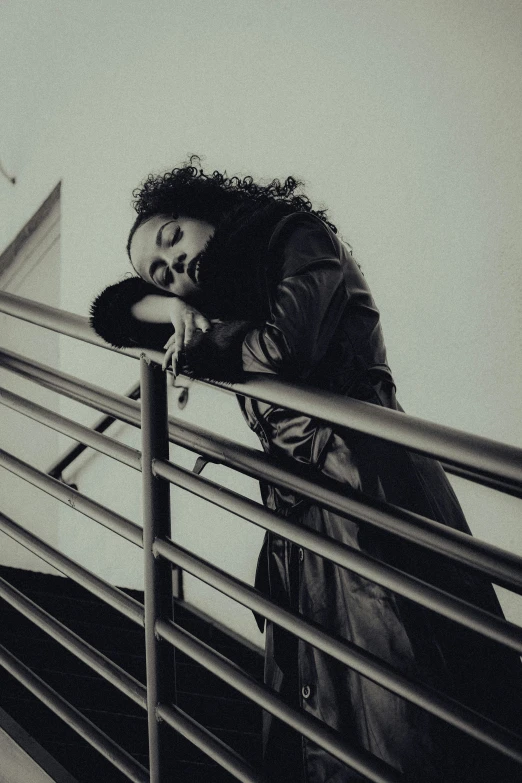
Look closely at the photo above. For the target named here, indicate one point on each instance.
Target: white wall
(34, 274)
(403, 118)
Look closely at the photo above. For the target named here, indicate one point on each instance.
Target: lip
(192, 268)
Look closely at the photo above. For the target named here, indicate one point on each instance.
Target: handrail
(503, 567)
(98, 662)
(63, 322)
(71, 497)
(484, 455)
(479, 459)
(361, 760)
(215, 748)
(376, 770)
(257, 603)
(123, 681)
(344, 651)
(88, 436)
(73, 718)
(99, 587)
(172, 715)
(58, 467)
(347, 557)
(499, 484)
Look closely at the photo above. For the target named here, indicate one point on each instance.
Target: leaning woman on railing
(254, 280)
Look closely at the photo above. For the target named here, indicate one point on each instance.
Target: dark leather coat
(324, 330)
(316, 323)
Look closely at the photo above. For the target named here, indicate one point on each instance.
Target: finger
(190, 328)
(177, 324)
(202, 322)
(169, 341)
(168, 348)
(175, 368)
(177, 347)
(179, 340)
(170, 351)
(172, 346)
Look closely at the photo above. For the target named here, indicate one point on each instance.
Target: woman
(253, 279)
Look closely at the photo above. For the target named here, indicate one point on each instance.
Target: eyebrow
(159, 235)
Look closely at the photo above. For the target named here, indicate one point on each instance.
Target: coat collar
(232, 270)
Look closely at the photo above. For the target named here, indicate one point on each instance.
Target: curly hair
(190, 192)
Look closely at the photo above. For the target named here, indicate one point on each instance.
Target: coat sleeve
(308, 298)
(307, 303)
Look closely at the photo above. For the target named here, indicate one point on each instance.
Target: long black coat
(316, 322)
(323, 329)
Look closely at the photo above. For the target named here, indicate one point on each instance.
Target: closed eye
(176, 237)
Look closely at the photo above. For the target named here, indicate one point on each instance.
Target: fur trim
(111, 316)
(232, 269)
(216, 354)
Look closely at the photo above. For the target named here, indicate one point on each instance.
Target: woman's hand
(185, 320)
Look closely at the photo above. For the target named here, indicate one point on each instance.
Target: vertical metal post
(161, 685)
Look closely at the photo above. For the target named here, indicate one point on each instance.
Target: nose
(178, 262)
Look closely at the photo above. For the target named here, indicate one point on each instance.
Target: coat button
(301, 554)
(305, 691)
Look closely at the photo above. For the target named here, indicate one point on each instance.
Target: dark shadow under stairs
(202, 695)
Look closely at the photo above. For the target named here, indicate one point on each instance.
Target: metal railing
(479, 459)
(57, 468)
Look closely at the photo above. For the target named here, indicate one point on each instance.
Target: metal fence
(479, 459)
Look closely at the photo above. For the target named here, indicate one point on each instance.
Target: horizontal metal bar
(70, 386)
(215, 748)
(98, 587)
(484, 455)
(306, 724)
(71, 497)
(81, 649)
(410, 587)
(74, 719)
(500, 485)
(430, 699)
(101, 425)
(60, 321)
(72, 429)
(490, 457)
(503, 567)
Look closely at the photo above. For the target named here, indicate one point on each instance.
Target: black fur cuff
(112, 319)
(216, 354)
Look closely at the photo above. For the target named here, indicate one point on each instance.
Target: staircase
(223, 710)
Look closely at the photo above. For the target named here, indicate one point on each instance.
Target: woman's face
(164, 251)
